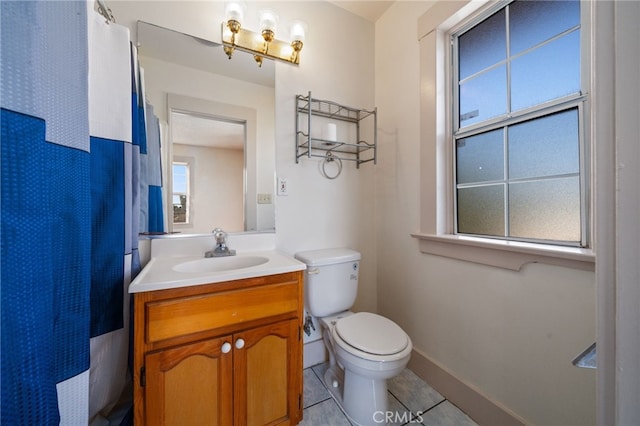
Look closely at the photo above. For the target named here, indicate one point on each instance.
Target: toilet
(365, 349)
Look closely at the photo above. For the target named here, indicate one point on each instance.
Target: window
(181, 191)
(518, 113)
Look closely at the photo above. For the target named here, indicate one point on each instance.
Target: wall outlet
(283, 186)
(264, 199)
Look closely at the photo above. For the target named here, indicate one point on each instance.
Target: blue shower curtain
(70, 201)
(45, 208)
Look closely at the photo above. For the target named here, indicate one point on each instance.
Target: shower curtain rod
(104, 10)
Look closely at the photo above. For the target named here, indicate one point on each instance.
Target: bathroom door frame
(617, 201)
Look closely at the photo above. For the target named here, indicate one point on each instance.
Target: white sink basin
(218, 264)
(166, 272)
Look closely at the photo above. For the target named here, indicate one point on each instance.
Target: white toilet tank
(331, 280)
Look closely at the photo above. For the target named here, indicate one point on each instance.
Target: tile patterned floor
(411, 401)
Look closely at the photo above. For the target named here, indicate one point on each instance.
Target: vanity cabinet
(220, 354)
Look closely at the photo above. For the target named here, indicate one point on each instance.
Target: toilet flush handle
(313, 271)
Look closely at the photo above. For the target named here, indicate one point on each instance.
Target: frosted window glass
(480, 158)
(532, 22)
(546, 146)
(549, 72)
(547, 209)
(520, 179)
(481, 210)
(482, 46)
(484, 96)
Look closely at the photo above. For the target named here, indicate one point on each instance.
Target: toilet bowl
(365, 349)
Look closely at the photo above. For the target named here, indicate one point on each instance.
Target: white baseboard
(476, 405)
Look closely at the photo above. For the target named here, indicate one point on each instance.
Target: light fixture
(234, 14)
(263, 44)
(298, 31)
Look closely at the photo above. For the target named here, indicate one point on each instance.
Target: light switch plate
(283, 186)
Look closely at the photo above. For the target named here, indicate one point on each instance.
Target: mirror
(221, 179)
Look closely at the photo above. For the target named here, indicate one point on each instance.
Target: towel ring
(330, 158)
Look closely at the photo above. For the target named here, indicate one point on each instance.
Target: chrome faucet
(221, 248)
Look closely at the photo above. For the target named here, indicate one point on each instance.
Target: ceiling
(368, 9)
(190, 129)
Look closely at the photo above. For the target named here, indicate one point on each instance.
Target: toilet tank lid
(328, 256)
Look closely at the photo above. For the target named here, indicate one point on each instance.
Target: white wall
(511, 335)
(337, 65)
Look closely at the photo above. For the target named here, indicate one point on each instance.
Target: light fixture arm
(234, 26)
(297, 47)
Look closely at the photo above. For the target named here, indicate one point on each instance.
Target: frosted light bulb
(234, 12)
(298, 31)
(268, 21)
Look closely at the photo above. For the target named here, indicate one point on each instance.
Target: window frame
(511, 118)
(437, 233)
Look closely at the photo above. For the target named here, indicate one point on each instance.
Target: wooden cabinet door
(190, 384)
(268, 375)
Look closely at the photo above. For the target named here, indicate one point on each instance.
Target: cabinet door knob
(240, 343)
(226, 347)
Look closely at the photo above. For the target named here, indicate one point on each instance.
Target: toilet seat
(370, 333)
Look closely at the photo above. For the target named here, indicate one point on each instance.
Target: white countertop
(160, 272)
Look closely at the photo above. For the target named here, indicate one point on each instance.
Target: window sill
(504, 254)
